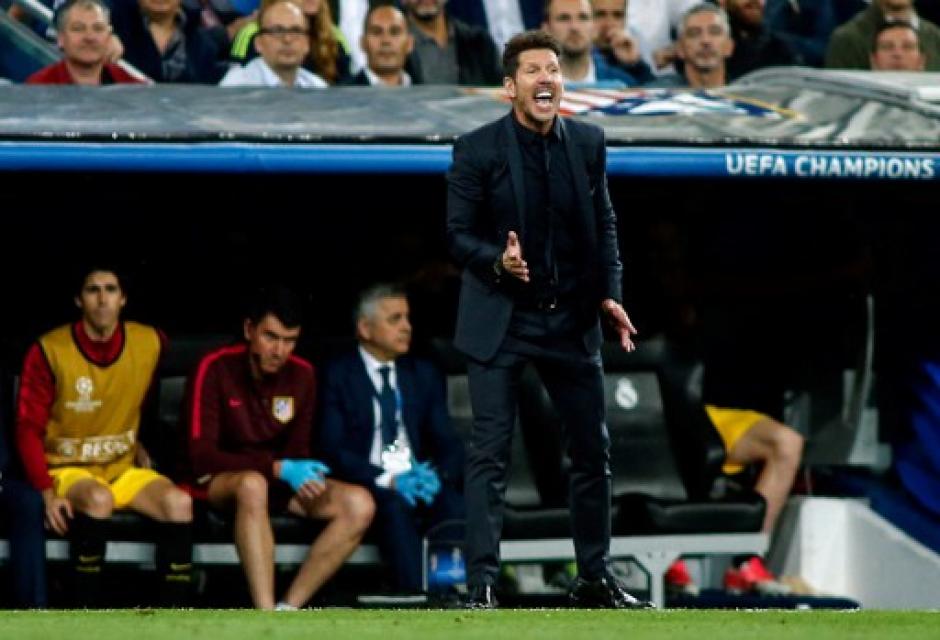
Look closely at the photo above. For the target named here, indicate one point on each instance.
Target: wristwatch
(498, 267)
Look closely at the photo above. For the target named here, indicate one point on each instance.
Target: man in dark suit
(530, 221)
(385, 426)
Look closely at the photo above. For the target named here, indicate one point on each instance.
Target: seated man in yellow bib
(752, 438)
(78, 415)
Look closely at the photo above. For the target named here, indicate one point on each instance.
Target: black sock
(174, 563)
(87, 541)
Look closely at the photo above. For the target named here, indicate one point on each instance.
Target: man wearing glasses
(283, 43)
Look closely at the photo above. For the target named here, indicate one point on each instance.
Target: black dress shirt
(551, 242)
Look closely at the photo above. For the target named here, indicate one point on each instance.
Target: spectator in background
(805, 25)
(168, 43)
(571, 22)
(850, 45)
(616, 45)
(283, 43)
(845, 10)
(327, 53)
(21, 508)
(896, 47)
(387, 43)
(84, 34)
(385, 426)
(755, 46)
(249, 410)
(656, 22)
(704, 46)
(81, 398)
(501, 18)
(447, 51)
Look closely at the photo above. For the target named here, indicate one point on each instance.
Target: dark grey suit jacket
(486, 200)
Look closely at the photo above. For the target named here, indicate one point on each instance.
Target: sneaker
(752, 576)
(678, 580)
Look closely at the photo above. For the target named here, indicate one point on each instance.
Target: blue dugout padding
(435, 159)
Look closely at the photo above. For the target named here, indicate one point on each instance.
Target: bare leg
(246, 492)
(162, 501)
(779, 448)
(349, 510)
(91, 498)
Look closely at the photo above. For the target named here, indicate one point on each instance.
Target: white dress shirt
(654, 20)
(373, 365)
(257, 73)
(503, 19)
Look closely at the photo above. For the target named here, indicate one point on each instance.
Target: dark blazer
(206, 49)
(478, 60)
(473, 12)
(358, 80)
(486, 200)
(347, 424)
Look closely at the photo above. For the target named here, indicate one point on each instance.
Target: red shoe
(678, 580)
(752, 576)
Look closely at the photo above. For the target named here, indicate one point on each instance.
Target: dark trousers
(22, 508)
(574, 381)
(400, 528)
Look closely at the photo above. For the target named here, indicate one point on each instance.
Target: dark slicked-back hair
(280, 302)
(526, 41)
(81, 273)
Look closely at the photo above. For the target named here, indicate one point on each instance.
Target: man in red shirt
(84, 30)
(250, 412)
(79, 409)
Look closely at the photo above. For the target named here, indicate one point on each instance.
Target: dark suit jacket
(486, 200)
(347, 423)
(206, 49)
(477, 58)
(358, 80)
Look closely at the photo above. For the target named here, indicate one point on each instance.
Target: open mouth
(544, 98)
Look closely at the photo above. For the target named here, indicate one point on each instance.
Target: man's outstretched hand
(512, 261)
(621, 323)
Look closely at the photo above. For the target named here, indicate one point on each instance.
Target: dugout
(755, 223)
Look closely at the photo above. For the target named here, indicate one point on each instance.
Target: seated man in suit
(385, 426)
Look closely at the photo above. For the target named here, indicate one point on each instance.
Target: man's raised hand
(512, 261)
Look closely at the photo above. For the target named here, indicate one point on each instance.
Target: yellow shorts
(731, 425)
(124, 488)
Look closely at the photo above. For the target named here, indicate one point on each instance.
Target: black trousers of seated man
(399, 529)
(574, 381)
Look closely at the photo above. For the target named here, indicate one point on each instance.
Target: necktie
(388, 407)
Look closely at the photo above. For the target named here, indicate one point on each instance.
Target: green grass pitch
(339, 624)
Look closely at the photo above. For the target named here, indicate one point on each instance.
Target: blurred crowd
(605, 43)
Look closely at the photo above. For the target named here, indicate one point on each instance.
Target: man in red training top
(78, 416)
(84, 35)
(250, 412)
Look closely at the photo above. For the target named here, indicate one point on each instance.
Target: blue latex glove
(297, 473)
(406, 484)
(429, 484)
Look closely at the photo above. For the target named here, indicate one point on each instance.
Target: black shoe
(483, 597)
(604, 593)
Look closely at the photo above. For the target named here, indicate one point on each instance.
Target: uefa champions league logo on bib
(85, 388)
